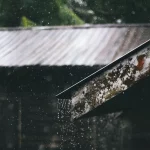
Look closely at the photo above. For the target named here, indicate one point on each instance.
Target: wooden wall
(32, 91)
(30, 103)
(8, 123)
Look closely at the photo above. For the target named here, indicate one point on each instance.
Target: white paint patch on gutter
(110, 83)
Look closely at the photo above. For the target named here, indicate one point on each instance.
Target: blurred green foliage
(25, 22)
(112, 11)
(72, 12)
(42, 13)
(69, 17)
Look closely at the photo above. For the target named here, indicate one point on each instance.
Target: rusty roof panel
(86, 45)
(110, 81)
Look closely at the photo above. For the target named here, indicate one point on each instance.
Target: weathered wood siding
(31, 91)
(35, 88)
(8, 123)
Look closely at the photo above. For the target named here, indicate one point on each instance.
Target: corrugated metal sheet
(90, 45)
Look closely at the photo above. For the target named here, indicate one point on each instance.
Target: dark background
(72, 12)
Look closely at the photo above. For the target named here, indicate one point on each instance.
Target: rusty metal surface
(80, 45)
(111, 80)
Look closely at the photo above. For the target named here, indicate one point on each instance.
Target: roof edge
(66, 94)
(85, 26)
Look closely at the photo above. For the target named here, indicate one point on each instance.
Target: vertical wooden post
(95, 132)
(19, 123)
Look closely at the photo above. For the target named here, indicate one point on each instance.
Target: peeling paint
(110, 83)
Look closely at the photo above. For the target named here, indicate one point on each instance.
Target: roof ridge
(85, 26)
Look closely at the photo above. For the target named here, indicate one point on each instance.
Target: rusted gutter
(109, 81)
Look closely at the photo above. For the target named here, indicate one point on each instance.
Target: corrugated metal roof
(85, 45)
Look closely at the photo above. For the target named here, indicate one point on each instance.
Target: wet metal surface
(111, 80)
(83, 45)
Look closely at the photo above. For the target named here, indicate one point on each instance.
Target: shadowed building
(38, 63)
